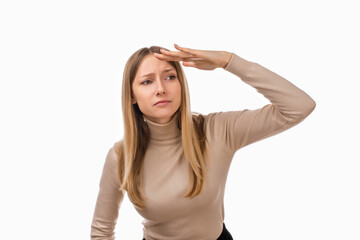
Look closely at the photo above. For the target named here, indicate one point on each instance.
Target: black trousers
(225, 235)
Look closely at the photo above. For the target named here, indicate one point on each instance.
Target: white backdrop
(61, 65)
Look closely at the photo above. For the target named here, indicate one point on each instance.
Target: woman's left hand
(201, 59)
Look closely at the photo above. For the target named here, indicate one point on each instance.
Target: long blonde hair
(131, 149)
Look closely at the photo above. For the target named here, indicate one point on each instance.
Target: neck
(164, 131)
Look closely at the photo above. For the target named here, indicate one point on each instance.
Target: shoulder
(118, 147)
(216, 118)
(114, 153)
(217, 124)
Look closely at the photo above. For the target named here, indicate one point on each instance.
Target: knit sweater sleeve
(289, 106)
(108, 201)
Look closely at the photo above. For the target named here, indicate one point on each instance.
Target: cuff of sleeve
(239, 66)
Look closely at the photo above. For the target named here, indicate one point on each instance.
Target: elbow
(307, 108)
(101, 232)
(310, 106)
(302, 112)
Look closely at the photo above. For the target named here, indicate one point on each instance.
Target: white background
(61, 65)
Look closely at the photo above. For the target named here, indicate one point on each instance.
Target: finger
(192, 59)
(171, 58)
(175, 54)
(167, 58)
(193, 52)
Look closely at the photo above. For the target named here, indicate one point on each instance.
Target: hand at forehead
(184, 54)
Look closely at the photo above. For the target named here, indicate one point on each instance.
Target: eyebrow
(166, 70)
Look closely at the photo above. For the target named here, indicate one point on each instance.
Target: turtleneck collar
(163, 131)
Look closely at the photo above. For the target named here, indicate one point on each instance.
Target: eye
(145, 82)
(172, 76)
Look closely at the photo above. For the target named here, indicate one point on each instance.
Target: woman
(173, 164)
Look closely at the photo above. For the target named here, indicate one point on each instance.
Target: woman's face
(156, 80)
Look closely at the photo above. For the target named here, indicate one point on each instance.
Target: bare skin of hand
(201, 59)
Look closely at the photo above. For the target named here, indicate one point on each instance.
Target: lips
(162, 101)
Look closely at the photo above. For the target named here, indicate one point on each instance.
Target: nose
(161, 89)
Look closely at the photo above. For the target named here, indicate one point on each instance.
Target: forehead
(151, 64)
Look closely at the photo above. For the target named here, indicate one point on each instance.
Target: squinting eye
(145, 82)
(172, 76)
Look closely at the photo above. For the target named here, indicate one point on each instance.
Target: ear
(133, 100)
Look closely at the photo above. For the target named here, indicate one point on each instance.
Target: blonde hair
(131, 149)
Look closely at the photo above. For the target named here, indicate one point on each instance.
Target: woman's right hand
(201, 59)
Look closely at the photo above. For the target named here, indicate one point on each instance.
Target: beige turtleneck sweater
(168, 215)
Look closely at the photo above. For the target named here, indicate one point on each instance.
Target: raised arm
(293, 103)
(108, 201)
(289, 106)
(235, 129)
